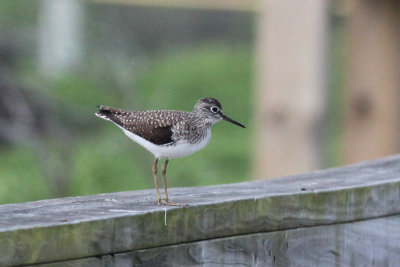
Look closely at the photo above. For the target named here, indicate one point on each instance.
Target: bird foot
(171, 203)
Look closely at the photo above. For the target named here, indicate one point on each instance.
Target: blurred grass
(102, 159)
(20, 176)
(336, 96)
(19, 13)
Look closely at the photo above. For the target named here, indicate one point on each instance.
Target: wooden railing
(347, 216)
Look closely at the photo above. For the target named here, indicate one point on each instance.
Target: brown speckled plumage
(164, 127)
(161, 127)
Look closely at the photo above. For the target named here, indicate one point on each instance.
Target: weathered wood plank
(78, 227)
(374, 242)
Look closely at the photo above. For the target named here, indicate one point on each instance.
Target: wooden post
(60, 36)
(373, 102)
(291, 86)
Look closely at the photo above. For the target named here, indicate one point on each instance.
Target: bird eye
(214, 109)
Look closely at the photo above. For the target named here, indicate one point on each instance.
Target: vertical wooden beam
(373, 102)
(60, 35)
(291, 86)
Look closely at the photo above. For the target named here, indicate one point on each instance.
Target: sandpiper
(168, 133)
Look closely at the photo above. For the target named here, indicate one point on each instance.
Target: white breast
(180, 149)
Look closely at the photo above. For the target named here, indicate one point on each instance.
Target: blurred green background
(132, 58)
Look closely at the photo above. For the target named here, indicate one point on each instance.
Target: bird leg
(164, 172)
(166, 200)
(156, 181)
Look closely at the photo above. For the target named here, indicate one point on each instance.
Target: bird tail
(104, 112)
(109, 114)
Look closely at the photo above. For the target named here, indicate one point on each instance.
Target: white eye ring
(214, 109)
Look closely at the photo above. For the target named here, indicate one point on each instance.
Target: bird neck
(199, 121)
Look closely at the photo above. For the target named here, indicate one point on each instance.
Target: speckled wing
(153, 125)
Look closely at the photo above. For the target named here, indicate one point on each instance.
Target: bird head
(211, 109)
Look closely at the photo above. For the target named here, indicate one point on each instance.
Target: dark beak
(224, 117)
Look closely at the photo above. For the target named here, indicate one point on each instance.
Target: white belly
(180, 149)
